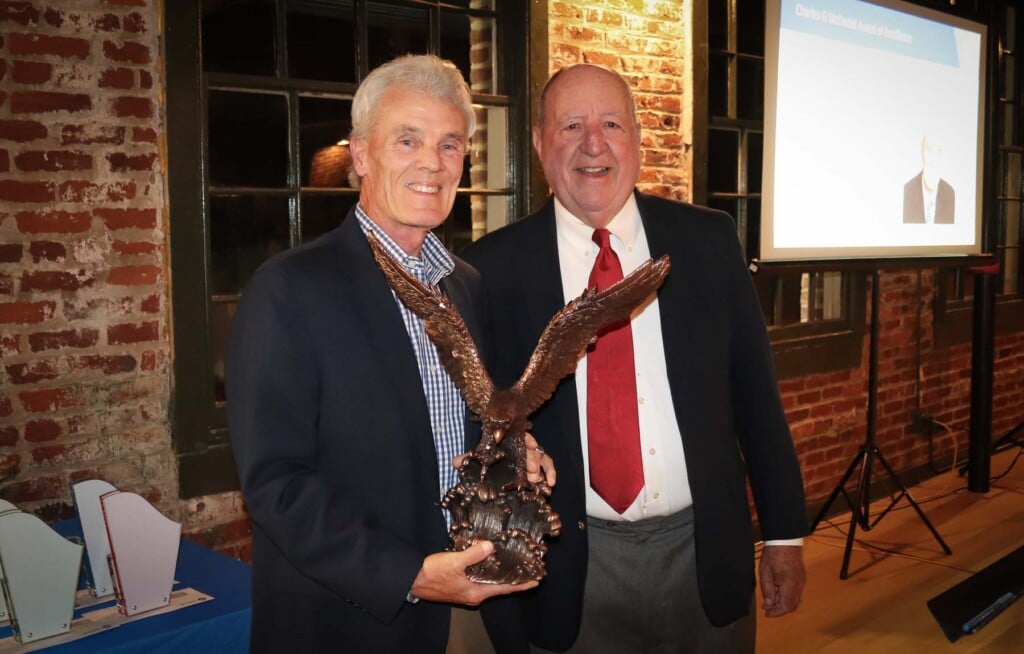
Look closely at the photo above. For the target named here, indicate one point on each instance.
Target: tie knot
(603, 238)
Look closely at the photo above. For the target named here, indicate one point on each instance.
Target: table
(218, 626)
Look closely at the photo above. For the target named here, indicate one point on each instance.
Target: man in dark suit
(927, 198)
(342, 420)
(666, 566)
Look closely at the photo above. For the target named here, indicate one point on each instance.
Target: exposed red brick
(11, 252)
(80, 191)
(130, 52)
(127, 3)
(22, 13)
(134, 247)
(143, 135)
(40, 431)
(3, 97)
(24, 313)
(42, 44)
(68, 338)
(8, 437)
(39, 102)
(121, 162)
(117, 78)
(131, 333)
(14, 191)
(101, 307)
(47, 453)
(33, 372)
(133, 107)
(33, 490)
(53, 17)
(9, 346)
(53, 222)
(127, 218)
(3, 62)
(106, 23)
(151, 303)
(6, 285)
(6, 408)
(21, 131)
(109, 365)
(47, 251)
(134, 275)
(31, 72)
(5, 161)
(148, 361)
(145, 79)
(134, 22)
(91, 134)
(54, 280)
(52, 161)
(10, 465)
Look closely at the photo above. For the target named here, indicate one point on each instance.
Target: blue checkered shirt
(447, 410)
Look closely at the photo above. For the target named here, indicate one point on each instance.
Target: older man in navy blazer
(343, 422)
(670, 568)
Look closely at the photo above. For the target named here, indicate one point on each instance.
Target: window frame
(800, 348)
(199, 424)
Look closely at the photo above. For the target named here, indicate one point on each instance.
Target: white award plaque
(143, 551)
(86, 495)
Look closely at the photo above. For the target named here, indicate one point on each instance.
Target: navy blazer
(723, 388)
(333, 445)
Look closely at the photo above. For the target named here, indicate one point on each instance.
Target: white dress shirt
(666, 487)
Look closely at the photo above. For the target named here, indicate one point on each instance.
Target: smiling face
(410, 164)
(589, 143)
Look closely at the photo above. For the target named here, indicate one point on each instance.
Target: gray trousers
(641, 593)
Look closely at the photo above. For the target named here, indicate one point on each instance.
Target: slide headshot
(927, 198)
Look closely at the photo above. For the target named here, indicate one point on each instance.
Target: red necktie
(613, 425)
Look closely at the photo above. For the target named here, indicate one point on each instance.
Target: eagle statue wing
(576, 326)
(445, 328)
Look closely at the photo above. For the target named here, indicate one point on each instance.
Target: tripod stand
(866, 454)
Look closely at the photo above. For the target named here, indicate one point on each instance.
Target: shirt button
(656, 495)
(640, 400)
(651, 451)
(582, 525)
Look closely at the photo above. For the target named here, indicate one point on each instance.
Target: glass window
(273, 87)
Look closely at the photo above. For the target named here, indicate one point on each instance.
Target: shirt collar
(434, 262)
(579, 235)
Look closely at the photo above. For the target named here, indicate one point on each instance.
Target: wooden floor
(898, 566)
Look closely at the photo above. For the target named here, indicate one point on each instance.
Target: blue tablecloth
(219, 626)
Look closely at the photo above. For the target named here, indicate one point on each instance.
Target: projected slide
(873, 132)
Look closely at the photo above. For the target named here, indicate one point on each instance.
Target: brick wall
(84, 312)
(652, 50)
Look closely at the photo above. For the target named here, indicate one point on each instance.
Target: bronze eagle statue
(493, 499)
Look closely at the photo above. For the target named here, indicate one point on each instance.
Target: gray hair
(436, 77)
(544, 91)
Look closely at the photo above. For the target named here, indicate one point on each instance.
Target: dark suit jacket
(334, 449)
(913, 202)
(723, 388)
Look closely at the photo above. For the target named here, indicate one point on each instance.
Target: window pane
(223, 310)
(755, 158)
(244, 232)
(723, 148)
(487, 166)
(753, 228)
(727, 205)
(750, 27)
(718, 85)
(718, 24)
(472, 4)
(322, 213)
(238, 37)
(248, 139)
(317, 48)
(496, 208)
(469, 43)
(395, 31)
(750, 91)
(457, 231)
(324, 125)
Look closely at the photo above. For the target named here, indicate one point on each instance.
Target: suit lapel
(374, 305)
